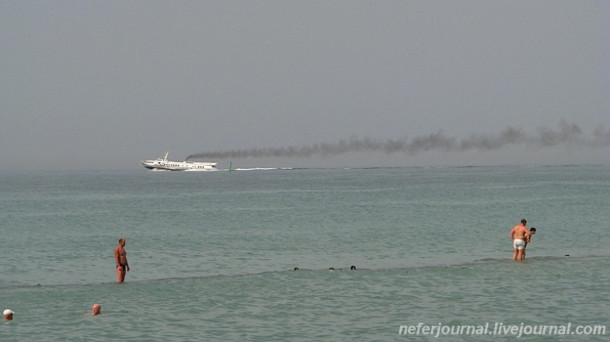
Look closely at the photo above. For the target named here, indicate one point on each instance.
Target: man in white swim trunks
(519, 235)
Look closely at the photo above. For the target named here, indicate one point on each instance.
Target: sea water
(249, 255)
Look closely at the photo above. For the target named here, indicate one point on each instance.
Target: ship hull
(163, 164)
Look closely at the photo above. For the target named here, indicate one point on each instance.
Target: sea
(267, 254)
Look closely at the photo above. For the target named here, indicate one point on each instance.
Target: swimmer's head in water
(8, 314)
(96, 309)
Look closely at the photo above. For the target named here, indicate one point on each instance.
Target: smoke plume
(567, 133)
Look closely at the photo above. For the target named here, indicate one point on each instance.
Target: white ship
(162, 164)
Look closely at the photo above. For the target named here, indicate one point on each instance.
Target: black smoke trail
(568, 133)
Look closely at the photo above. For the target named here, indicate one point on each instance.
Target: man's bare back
(519, 235)
(519, 232)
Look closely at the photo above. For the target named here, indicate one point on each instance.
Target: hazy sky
(104, 84)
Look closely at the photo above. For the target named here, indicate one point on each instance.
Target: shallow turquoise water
(212, 254)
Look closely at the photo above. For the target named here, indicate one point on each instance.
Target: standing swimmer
(519, 234)
(120, 257)
(529, 238)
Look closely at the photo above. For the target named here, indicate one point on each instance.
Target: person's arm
(116, 256)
